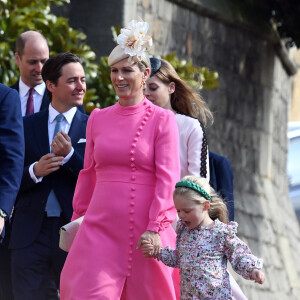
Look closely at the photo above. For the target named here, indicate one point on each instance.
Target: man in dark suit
(11, 161)
(31, 54)
(221, 179)
(51, 168)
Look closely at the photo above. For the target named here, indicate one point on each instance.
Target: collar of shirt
(24, 89)
(69, 115)
(66, 123)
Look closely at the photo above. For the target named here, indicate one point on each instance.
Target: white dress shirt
(38, 95)
(66, 124)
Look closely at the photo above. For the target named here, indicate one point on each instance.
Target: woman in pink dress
(125, 189)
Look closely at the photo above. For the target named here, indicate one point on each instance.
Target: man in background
(31, 53)
(54, 154)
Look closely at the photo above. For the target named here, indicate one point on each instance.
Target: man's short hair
(24, 37)
(52, 68)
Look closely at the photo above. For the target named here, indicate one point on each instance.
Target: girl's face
(158, 92)
(127, 80)
(191, 213)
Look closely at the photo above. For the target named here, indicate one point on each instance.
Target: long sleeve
(193, 147)
(239, 254)
(170, 257)
(87, 176)
(11, 147)
(197, 155)
(162, 210)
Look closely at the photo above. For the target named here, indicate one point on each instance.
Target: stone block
(289, 263)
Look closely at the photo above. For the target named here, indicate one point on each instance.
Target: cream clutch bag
(67, 234)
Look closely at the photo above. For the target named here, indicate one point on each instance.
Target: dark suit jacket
(31, 201)
(45, 100)
(221, 179)
(11, 147)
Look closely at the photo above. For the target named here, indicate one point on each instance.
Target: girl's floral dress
(201, 255)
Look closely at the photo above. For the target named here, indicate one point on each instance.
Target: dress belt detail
(139, 178)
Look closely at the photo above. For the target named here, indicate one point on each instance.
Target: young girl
(204, 243)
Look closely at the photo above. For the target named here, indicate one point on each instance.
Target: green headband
(194, 186)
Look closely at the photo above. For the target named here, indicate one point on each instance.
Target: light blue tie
(58, 127)
(53, 208)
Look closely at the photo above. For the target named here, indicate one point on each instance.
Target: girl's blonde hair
(218, 208)
(184, 100)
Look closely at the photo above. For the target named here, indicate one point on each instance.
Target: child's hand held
(147, 249)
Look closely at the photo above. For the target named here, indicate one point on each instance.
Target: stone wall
(251, 113)
(294, 115)
(94, 18)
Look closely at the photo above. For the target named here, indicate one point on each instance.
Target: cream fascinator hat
(132, 43)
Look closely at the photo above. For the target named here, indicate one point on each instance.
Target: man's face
(30, 64)
(70, 88)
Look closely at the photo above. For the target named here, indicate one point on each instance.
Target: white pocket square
(81, 141)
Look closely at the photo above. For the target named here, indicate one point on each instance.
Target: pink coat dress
(130, 169)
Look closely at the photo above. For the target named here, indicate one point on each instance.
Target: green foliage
(196, 77)
(17, 16)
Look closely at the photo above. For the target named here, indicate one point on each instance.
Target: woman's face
(127, 80)
(158, 92)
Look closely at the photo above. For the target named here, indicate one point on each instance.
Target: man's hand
(1, 224)
(61, 144)
(47, 164)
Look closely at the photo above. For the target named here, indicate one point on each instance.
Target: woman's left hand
(153, 238)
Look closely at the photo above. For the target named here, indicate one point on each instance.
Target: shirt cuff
(3, 214)
(67, 158)
(153, 226)
(32, 175)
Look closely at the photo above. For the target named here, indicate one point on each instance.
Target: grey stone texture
(251, 112)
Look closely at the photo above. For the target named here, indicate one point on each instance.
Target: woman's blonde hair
(184, 100)
(144, 63)
(218, 208)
